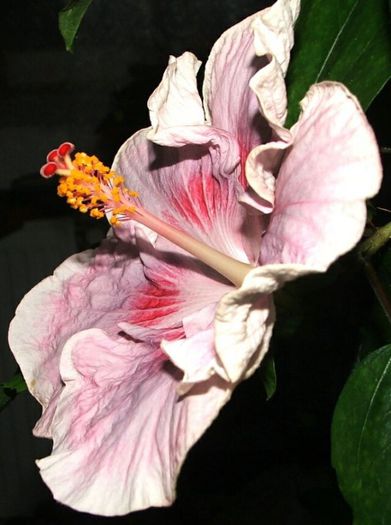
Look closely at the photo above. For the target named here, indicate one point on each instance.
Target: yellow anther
(91, 187)
(115, 194)
(118, 180)
(96, 214)
(62, 189)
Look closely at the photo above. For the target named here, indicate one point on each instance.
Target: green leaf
(361, 439)
(10, 389)
(347, 41)
(268, 375)
(69, 20)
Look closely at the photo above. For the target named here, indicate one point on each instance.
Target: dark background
(261, 462)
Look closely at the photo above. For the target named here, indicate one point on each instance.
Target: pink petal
(196, 357)
(202, 320)
(235, 58)
(176, 286)
(273, 37)
(177, 115)
(176, 102)
(330, 169)
(184, 187)
(121, 432)
(110, 289)
(195, 354)
(261, 170)
(273, 31)
(245, 318)
(223, 150)
(88, 289)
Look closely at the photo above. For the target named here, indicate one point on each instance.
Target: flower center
(91, 187)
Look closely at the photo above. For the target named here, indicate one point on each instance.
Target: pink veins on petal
(154, 303)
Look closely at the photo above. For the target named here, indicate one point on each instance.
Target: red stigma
(52, 155)
(57, 159)
(48, 170)
(65, 148)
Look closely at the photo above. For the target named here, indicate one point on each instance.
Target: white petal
(245, 317)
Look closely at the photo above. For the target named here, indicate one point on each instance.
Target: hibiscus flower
(132, 349)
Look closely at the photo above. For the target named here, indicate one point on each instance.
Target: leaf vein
(335, 41)
(368, 412)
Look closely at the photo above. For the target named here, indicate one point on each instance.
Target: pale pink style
(132, 349)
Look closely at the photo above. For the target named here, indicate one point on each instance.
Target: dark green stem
(370, 246)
